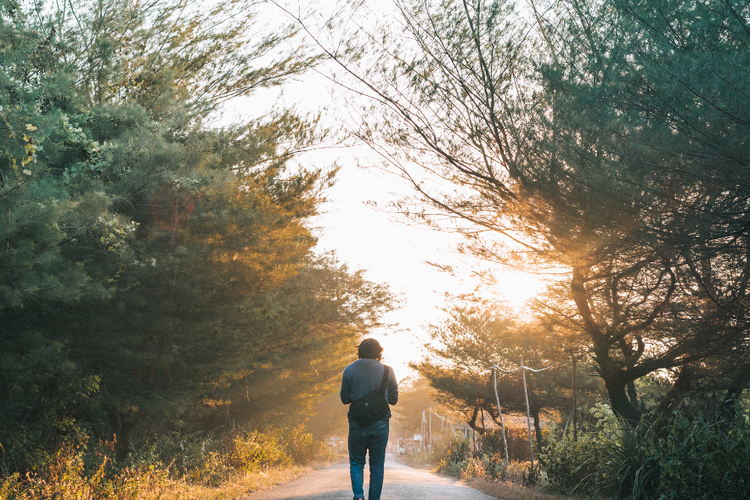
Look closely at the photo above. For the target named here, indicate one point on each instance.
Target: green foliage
(46, 395)
(608, 458)
(459, 450)
(603, 141)
(704, 460)
(158, 271)
(517, 437)
(571, 465)
(681, 458)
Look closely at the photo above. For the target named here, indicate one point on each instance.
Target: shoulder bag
(372, 406)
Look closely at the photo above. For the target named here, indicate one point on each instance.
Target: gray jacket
(364, 376)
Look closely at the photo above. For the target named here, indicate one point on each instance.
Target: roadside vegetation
(172, 467)
(685, 457)
(699, 451)
(167, 320)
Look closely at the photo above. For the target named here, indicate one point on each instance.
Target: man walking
(360, 378)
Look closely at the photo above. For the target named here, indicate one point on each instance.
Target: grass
(147, 485)
(238, 486)
(504, 490)
(249, 462)
(507, 491)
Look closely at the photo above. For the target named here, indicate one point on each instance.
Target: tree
(152, 265)
(601, 139)
(677, 125)
(473, 340)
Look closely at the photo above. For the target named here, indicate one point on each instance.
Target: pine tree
(152, 264)
(605, 139)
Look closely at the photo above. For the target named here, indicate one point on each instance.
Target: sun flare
(516, 288)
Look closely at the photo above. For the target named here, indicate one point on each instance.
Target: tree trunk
(123, 434)
(619, 400)
(681, 386)
(538, 430)
(632, 395)
(473, 421)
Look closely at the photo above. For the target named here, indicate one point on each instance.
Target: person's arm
(346, 389)
(392, 388)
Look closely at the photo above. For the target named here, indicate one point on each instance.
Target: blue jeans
(361, 439)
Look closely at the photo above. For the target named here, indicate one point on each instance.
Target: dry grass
(147, 485)
(234, 488)
(500, 490)
(506, 491)
(251, 461)
(63, 476)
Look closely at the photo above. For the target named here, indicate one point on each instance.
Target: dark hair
(369, 349)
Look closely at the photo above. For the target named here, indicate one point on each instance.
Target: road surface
(401, 483)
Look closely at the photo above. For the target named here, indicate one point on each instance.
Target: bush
(250, 450)
(81, 472)
(679, 459)
(703, 460)
(212, 470)
(459, 461)
(517, 438)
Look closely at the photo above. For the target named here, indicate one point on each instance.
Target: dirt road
(401, 483)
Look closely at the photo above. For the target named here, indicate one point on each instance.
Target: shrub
(458, 460)
(703, 460)
(572, 466)
(474, 467)
(212, 470)
(250, 450)
(182, 451)
(63, 475)
(87, 473)
(679, 459)
(300, 445)
(517, 438)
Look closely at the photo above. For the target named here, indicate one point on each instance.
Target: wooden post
(575, 400)
(430, 430)
(528, 411)
(423, 431)
(500, 412)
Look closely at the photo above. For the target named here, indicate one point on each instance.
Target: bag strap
(384, 383)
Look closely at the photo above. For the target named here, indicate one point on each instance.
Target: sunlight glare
(516, 288)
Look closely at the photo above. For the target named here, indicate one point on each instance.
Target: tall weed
(706, 460)
(679, 459)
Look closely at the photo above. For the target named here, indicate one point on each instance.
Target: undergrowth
(245, 461)
(676, 459)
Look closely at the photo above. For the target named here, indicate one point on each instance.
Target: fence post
(500, 412)
(528, 416)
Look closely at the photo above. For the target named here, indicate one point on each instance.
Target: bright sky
(388, 248)
(397, 253)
